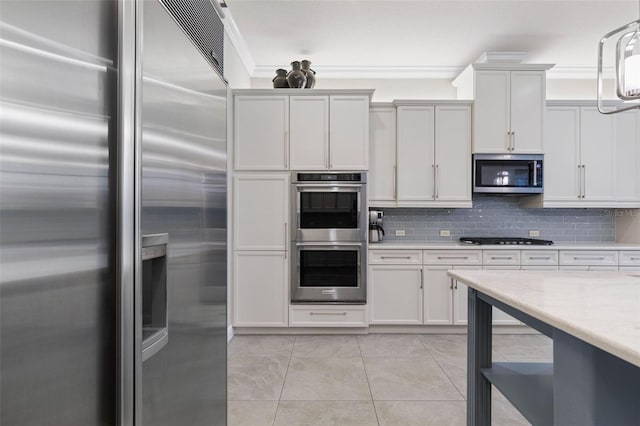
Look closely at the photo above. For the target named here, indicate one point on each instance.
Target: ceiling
(422, 38)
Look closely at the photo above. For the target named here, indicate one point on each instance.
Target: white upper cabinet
(309, 127)
(508, 111)
(382, 156)
(562, 154)
(310, 131)
(453, 153)
(433, 155)
(349, 133)
(415, 150)
(261, 127)
(591, 159)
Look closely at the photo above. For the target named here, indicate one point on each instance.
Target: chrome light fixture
(627, 67)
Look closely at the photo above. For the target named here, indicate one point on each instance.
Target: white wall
(234, 70)
(386, 90)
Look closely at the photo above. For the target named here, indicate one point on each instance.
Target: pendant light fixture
(627, 67)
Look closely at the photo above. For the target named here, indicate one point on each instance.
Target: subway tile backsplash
(500, 216)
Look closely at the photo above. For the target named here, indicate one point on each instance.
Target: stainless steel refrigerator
(112, 143)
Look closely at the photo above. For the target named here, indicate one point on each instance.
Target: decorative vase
(296, 77)
(309, 73)
(280, 80)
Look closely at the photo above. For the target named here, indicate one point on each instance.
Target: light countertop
(422, 245)
(600, 308)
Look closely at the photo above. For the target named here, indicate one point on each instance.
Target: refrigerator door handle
(155, 318)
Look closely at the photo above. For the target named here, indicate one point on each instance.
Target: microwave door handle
(535, 173)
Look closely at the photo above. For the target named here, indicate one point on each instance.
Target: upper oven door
(329, 212)
(520, 174)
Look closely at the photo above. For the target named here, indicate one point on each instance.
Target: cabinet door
(438, 290)
(596, 152)
(382, 156)
(562, 154)
(415, 148)
(491, 112)
(395, 294)
(309, 132)
(260, 289)
(499, 317)
(261, 211)
(626, 142)
(461, 298)
(349, 133)
(261, 126)
(453, 153)
(527, 111)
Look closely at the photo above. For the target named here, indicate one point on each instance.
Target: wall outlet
(445, 233)
(400, 233)
(534, 233)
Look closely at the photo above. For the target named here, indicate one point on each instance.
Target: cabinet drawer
(395, 257)
(501, 257)
(588, 257)
(629, 258)
(453, 257)
(539, 257)
(328, 316)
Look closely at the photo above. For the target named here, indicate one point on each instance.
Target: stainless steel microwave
(507, 173)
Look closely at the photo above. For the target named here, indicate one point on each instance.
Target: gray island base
(588, 382)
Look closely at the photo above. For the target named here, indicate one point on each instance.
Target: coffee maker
(376, 231)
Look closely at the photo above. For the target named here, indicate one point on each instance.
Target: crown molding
(398, 72)
(583, 73)
(391, 72)
(235, 37)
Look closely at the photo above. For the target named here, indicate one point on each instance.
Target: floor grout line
(284, 381)
(364, 367)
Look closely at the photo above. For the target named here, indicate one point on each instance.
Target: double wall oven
(329, 229)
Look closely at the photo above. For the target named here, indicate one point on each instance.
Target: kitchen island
(594, 321)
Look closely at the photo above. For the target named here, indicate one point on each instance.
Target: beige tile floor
(377, 379)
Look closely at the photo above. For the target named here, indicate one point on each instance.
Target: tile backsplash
(500, 216)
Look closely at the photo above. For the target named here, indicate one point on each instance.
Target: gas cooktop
(505, 240)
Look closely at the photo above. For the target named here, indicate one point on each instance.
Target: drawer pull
(634, 258)
(452, 257)
(395, 257)
(588, 258)
(327, 313)
(540, 257)
(502, 257)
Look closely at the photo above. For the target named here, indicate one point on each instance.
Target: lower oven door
(329, 272)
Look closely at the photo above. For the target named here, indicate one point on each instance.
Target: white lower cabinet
(261, 289)
(445, 299)
(395, 294)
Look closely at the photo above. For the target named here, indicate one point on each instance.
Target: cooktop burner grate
(505, 240)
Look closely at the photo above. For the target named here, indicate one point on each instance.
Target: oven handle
(324, 188)
(330, 244)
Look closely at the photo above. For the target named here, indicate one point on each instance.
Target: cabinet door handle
(437, 181)
(286, 149)
(451, 286)
(513, 140)
(509, 141)
(286, 232)
(421, 278)
(452, 257)
(395, 257)
(455, 287)
(579, 180)
(328, 313)
(433, 170)
(584, 179)
(395, 183)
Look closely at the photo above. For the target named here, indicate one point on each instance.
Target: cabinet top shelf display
(302, 92)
